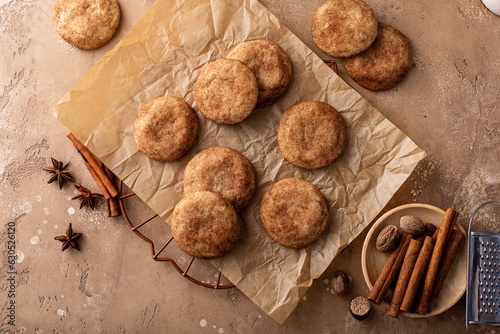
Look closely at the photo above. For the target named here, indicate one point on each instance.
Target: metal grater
(483, 277)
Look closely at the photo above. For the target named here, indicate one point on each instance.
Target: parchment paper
(163, 55)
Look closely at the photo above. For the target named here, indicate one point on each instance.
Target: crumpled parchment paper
(163, 55)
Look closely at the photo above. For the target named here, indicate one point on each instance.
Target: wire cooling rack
(156, 254)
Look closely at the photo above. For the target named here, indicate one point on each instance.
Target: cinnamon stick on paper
(393, 273)
(449, 256)
(449, 219)
(404, 277)
(418, 273)
(379, 283)
(100, 174)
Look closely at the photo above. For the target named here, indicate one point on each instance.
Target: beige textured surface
(449, 104)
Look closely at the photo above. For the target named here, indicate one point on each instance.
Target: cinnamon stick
(449, 219)
(448, 257)
(418, 273)
(404, 277)
(385, 271)
(429, 231)
(94, 164)
(98, 181)
(112, 206)
(394, 270)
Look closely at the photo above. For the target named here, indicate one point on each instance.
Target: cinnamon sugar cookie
(342, 28)
(294, 213)
(226, 91)
(86, 24)
(311, 134)
(165, 129)
(269, 63)
(205, 225)
(223, 171)
(385, 63)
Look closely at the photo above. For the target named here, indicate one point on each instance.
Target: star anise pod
(86, 196)
(69, 239)
(60, 173)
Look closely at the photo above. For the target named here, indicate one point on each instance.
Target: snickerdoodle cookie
(342, 28)
(205, 225)
(269, 63)
(166, 128)
(226, 91)
(86, 24)
(385, 63)
(311, 134)
(223, 171)
(294, 213)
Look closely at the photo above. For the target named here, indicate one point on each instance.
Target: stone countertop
(449, 104)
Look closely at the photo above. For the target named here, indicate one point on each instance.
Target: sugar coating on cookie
(165, 128)
(205, 225)
(86, 24)
(224, 171)
(342, 28)
(226, 91)
(269, 63)
(385, 63)
(311, 134)
(294, 213)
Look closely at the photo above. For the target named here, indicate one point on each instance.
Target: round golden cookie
(311, 134)
(294, 213)
(205, 225)
(226, 91)
(384, 64)
(269, 63)
(223, 171)
(342, 28)
(86, 24)
(165, 129)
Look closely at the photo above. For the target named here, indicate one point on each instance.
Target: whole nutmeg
(387, 239)
(340, 283)
(412, 225)
(360, 308)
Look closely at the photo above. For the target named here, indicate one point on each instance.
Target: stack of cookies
(377, 56)
(219, 183)
(253, 74)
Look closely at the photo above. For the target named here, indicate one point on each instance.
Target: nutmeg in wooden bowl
(373, 261)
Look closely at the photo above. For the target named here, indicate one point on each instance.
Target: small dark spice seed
(60, 173)
(69, 239)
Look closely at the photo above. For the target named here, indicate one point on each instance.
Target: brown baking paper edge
(163, 55)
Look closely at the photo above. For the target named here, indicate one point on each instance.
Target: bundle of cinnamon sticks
(422, 264)
(103, 177)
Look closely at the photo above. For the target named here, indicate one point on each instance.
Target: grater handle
(468, 262)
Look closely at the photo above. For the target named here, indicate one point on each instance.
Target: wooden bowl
(373, 261)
